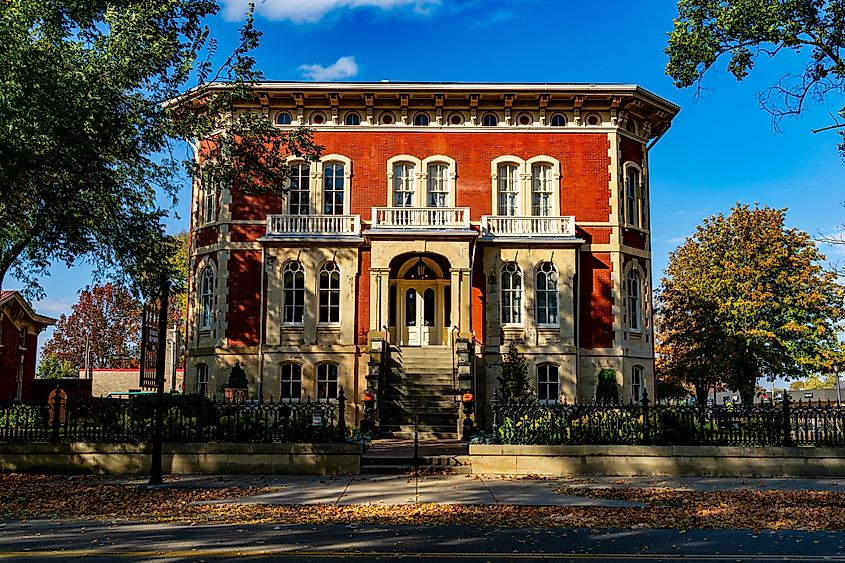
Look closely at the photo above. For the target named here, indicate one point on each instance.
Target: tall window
(546, 293)
(548, 383)
(438, 185)
(634, 301)
(293, 288)
(541, 190)
(299, 195)
(326, 382)
(403, 185)
(511, 294)
(206, 298)
(329, 293)
(632, 197)
(19, 382)
(2, 318)
(637, 383)
(209, 199)
(333, 188)
(22, 338)
(508, 190)
(202, 380)
(291, 382)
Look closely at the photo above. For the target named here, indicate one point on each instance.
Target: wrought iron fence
(644, 423)
(186, 419)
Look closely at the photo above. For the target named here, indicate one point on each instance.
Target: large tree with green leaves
(706, 31)
(746, 298)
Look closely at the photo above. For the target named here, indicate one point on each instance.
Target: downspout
(261, 327)
(577, 331)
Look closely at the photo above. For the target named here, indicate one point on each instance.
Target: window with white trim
(546, 294)
(326, 382)
(438, 185)
(293, 293)
(209, 196)
(542, 190)
(22, 338)
(511, 294)
(633, 197)
(403, 185)
(329, 290)
(202, 380)
(634, 301)
(290, 377)
(19, 382)
(508, 187)
(548, 383)
(299, 194)
(637, 383)
(206, 298)
(334, 180)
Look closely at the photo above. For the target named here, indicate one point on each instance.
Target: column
(461, 299)
(379, 298)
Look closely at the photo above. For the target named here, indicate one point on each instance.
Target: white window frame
(24, 332)
(542, 190)
(511, 296)
(291, 379)
(328, 285)
(633, 197)
(202, 380)
(409, 183)
(421, 114)
(293, 293)
(446, 182)
(546, 292)
(634, 295)
(507, 188)
(206, 298)
(328, 374)
(299, 171)
(208, 189)
(524, 168)
(637, 383)
(545, 382)
(485, 119)
(329, 206)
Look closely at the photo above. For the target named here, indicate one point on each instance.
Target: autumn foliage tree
(746, 298)
(109, 318)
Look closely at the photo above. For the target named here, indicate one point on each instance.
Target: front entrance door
(420, 316)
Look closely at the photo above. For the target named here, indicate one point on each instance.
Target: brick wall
(596, 300)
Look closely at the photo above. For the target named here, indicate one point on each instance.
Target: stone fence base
(709, 461)
(188, 459)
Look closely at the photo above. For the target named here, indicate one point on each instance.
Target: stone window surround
(634, 265)
(549, 384)
(641, 203)
(316, 181)
(421, 177)
(524, 171)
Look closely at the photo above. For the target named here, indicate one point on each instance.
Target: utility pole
(156, 471)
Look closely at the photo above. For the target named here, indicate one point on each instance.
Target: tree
(107, 319)
(85, 126)
(514, 377)
(744, 30)
(746, 298)
(51, 367)
(607, 388)
(815, 382)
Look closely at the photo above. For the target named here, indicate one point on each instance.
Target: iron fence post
(494, 407)
(646, 423)
(341, 416)
(57, 408)
(787, 429)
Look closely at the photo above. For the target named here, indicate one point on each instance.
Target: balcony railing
(413, 218)
(313, 225)
(505, 226)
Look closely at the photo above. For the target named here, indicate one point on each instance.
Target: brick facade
(17, 315)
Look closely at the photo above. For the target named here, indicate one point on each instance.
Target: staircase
(419, 383)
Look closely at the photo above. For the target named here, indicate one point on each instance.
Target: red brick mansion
(443, 224)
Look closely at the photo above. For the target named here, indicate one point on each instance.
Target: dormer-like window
(634, 301)
(352, 118)
(489, 120)
(421, 119)
(542, 190)
(508, 188)
(283, 118)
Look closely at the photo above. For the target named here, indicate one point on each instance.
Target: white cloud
(310, 11)
(344, 67)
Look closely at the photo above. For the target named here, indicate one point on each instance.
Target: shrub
(514, 378)
(607, 389)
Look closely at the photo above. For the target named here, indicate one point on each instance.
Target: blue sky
(721, 149)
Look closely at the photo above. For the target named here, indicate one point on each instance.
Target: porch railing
(501, 225)
(421, 218)
(313, 225)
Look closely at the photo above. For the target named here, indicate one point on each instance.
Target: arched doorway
(420, 302)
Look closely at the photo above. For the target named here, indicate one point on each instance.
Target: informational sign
(317, 420)
(51, 404)
(149, 345)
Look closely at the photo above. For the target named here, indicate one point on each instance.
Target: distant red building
(19, 329)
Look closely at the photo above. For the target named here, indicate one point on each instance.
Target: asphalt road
(51, 541)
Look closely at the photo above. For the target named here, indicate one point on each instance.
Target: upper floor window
(209, 197)
(283, 118)
(352, 118)
(22, 338)
(633, 197)
(326, 382)
(637, 383)
(206, 298)
(438, 185)
(546, 294)
(508, 188)
(548, 383)
(511, 294)
(290, 377)
(542, 190)
(489, 120)
(421, 119)
(329, 290)
(202, 380)
(403, 185)
(293, 289)
(334, 179)
(558, 120)
(634, 301)
(299, 194)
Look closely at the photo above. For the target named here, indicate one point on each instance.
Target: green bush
(607, 389)
(19, 416)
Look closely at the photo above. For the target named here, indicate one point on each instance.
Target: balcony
(493, 226)
(313, 225)
(420, 218)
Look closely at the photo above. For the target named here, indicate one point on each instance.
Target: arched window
(633, 197)
(206, 298)
(334, 180)
(329, 293)
(421, 119)
(511, 294)
(290, 377)
(283, 118)
(637, 383)
(558, 120)
(209, 197)
(508, 187)
(548, 383)
(326, 382)
(634, 301)
(202, 380)
(293, 288)
(489, 120)
(541, 190)
(403, 185)
(352, 118)
(546, 294)
(299, 195)
(438, 185)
